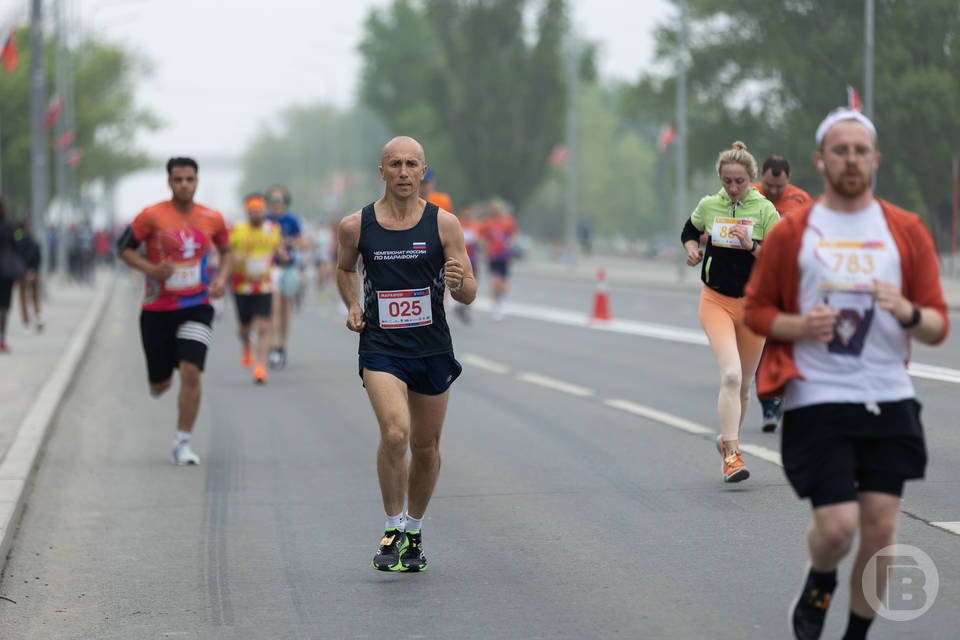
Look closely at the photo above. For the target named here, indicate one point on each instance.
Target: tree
(767, 73)
(486, 98)
(326, 157)
(106, 117)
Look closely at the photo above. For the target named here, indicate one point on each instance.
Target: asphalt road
(558, 513)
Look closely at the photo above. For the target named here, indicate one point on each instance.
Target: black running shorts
(429, 375)
(170, 337)
(254, 305)
(833, 451)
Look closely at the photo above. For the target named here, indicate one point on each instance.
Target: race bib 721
(186, 276)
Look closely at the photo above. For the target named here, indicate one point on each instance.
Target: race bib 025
(405, 308)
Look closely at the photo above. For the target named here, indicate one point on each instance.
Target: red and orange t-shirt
(793, 198)
(497, 233)
(184, 240)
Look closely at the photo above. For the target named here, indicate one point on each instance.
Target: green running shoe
(411, 552)
(388, 553)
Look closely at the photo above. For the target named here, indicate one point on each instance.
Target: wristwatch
(914, 319)
(754, 247)
(458, 287)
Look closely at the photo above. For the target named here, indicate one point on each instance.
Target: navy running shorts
(833, 451)
(430, 375)
(501, 267)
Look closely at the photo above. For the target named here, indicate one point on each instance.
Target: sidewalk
(35, 376)
(627, 271)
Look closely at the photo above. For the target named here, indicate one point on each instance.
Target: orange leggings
(737, 350)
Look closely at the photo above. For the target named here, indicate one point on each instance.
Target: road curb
(20, 463)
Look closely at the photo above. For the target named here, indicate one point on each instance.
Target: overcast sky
(224, 69)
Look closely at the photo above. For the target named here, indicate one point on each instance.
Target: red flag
(63, 141)
(558, 156)
(667, 135)
(73, 157)
(9, 53)
(853, 98)
(53, 112)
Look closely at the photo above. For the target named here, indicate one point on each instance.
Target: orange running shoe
(260, 374)
(733, 470)
(247, 360)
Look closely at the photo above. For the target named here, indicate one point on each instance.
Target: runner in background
(428, 193)
(255, 243)
(775, 186)
(175, 323)
(496, 237)
(471, 238)
(285, 273)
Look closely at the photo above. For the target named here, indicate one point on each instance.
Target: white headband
(843, 113)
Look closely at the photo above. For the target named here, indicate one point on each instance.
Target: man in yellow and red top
(175, 323)
(841, 288)
(254, 244)
(775, 186)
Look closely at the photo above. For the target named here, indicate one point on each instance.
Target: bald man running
(412, 252)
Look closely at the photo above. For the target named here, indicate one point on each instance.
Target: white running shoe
(183, 454)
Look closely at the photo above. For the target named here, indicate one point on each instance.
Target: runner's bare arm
(219, 286)
(348, 281)
(931, 327)
(157, 271)
(456, 268)
(818, 325)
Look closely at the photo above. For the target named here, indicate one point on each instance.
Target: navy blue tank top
(403, 288)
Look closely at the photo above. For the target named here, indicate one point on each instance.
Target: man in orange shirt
(496, 235)
(428, 193)
(775, 186)
(176, 320)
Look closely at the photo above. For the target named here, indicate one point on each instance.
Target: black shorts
(500, 267)
(253, 305)
(170, 337)
(833, 451)
(430, 375)
(6, 290)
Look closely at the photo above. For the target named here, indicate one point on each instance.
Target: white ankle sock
(412, 524)
(394, 522)
(183, 437)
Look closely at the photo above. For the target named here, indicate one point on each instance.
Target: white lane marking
(482, 363)
(658, 416)
(930, 372)
(952, 527)
(763, 453)
(666, 332)
(557, 385)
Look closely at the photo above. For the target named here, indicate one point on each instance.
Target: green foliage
(767, 72)
(617, 170)
(485, 97)
(312, 145)
(106, 117)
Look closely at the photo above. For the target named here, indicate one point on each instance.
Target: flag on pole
(63, 141)
(558, 155)
(53, 112)
(853, 98)
(9, 52)
(667, 135)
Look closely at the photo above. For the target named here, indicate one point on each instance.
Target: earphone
(820, 165)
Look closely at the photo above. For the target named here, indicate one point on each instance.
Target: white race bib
(257, 267)
(405, 308)
(850, 265)
(186, 275)
(722, 233)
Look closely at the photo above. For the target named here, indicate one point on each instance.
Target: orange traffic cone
(601, 300)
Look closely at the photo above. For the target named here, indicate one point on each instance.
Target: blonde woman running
(736, 219)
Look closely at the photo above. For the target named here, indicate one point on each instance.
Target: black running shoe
(388, 553)
(411, 553)
(809, 612)
(772, 412)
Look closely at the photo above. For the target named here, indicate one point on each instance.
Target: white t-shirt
(840, 257)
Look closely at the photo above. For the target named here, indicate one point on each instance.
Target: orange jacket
(793, 199)
(774, 284)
